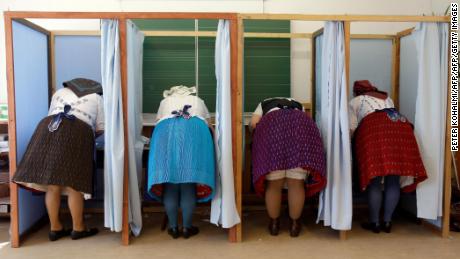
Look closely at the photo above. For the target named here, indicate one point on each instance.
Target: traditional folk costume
(385, 150)
(287, 144)
(61, 150)
(287, 147)
(181, 166)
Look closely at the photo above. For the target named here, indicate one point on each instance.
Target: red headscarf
(365, 87)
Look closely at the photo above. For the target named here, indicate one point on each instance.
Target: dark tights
(179, 195)
(375, 193)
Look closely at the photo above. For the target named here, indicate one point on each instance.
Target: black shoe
(374, 227)
(55, 235)
(189, 232)
(274, 226)
(85, 233)
(174, 232)
(294, 229)
(386, 227)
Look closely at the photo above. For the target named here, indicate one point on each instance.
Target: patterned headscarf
(364, 87)
(83, 86)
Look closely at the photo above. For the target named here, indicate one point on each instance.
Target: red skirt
(387, 146)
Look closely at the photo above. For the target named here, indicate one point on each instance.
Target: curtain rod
(194, 34)
(213, 34)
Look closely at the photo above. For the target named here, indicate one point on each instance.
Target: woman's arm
(99, 132)
(353, 117)
(254, 120)
(211, 127)
(256, 116)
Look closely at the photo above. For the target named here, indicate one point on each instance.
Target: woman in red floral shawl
(385, 151)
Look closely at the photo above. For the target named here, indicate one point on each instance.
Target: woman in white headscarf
(181, 167)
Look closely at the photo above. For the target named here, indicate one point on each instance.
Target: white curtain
(135, 43)
(335, 206)
(223, 207)
(430, 114)
(114, 145)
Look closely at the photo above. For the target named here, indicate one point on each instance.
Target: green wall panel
(267, 26)
(267, 63)
(206, 72)
(207, 25)
(165, 25)
(170, 61)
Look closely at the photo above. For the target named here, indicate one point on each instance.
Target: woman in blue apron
(181, 166)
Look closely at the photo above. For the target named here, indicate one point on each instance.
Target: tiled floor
(408, 240)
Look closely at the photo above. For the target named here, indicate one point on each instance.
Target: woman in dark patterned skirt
(287, 151)
(386, 152)
(59, 157)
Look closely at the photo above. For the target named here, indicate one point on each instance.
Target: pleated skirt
(64, 157)
(288, 139)
(182, 151)
(385, 146)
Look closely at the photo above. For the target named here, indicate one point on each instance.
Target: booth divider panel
(408, 77)
(77, 56)
(371, 59)
(318, 49)
(30, 50)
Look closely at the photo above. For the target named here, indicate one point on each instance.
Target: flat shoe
(189, 232)
(294, 229)
(374, 227)
(274, 227)
(386, 227)
(85, 233)
(55, 235)
(174, 232)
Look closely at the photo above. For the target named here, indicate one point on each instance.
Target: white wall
(300, 51)
(439, 7)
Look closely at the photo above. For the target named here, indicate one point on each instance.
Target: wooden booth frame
(237, 36)
(234, 233)
(347, 20)
(395, 78)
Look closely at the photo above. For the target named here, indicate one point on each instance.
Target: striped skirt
(182, 151)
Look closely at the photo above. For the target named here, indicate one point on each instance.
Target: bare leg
(53, 202)
(296, 197)
(273, 197)
(75, 202)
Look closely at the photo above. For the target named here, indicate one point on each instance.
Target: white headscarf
(180, 90)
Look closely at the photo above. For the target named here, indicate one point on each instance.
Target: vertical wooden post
(313, 77)
(52, 64)
(343, 235)
(235, 233)
(313, 71)
(445, 226)
(14, 215)
(346, 27)
(395, 70)
(124, 92)
(347, 54)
